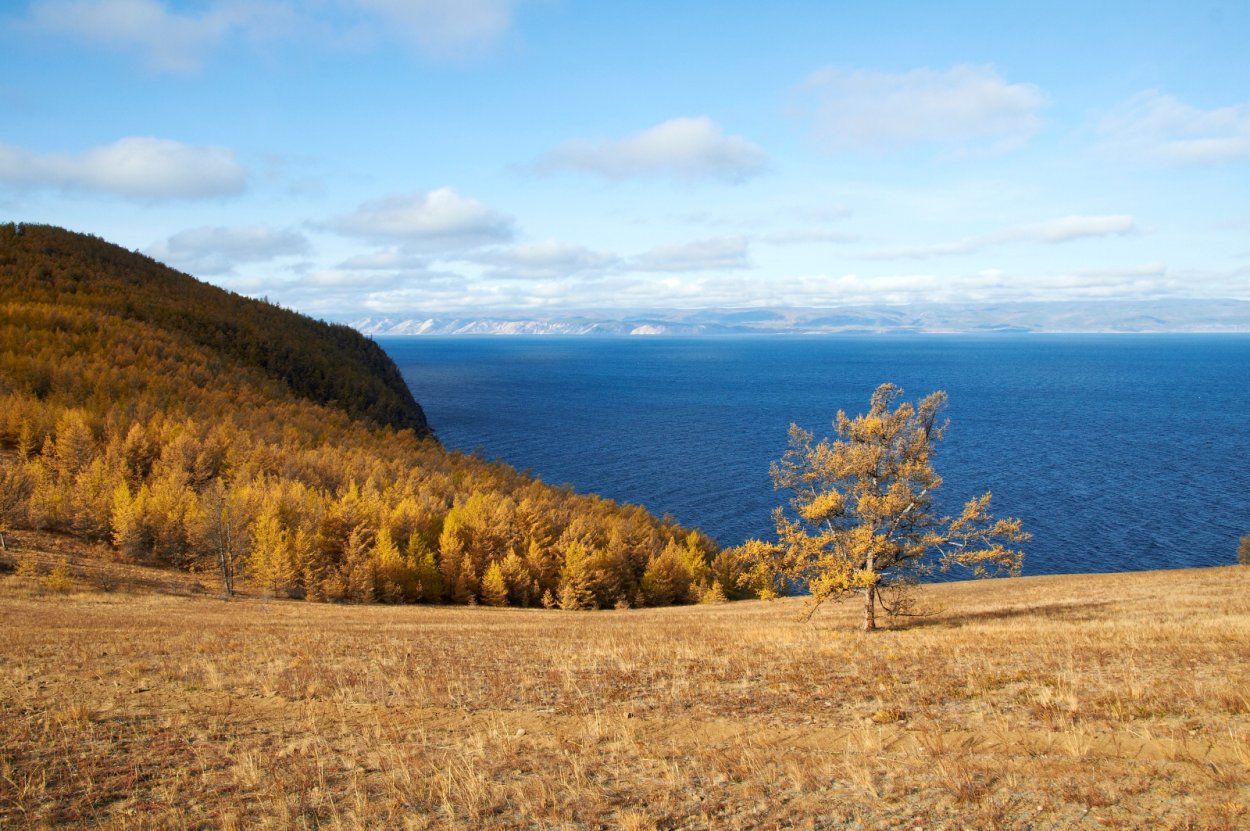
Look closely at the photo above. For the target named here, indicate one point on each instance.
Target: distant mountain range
(1064, 316)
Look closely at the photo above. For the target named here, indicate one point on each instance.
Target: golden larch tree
(862, 517)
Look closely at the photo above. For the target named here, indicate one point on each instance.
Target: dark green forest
(194, 428)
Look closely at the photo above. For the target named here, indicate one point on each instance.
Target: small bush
(1243, 551)
(27, 565)
(102, 580)
(58, 580)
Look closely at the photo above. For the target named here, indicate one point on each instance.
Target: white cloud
(958, 106)
(441, 294)
(1068, 228)
(859, 288)
(1133, 282)
(681, 148)
(985, 285)
(389, 259)
(440, 218)
(806, 236)
(1063, 229)
(167, 40)
(434, 291)
(217, 250)
(341, 279)
(1143, 281)
(1155, 126)
(716, 254)
(447, 27)
(336, 292)
(547, 261)
(138, 167)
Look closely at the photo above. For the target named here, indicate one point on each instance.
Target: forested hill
(191, 428)
(327, 363)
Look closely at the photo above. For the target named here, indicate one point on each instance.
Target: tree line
(120, 426)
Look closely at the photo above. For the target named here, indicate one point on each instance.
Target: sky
(531, 158)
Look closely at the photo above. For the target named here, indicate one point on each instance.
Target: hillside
(1114, 701)
(45, 266)
(192, 428)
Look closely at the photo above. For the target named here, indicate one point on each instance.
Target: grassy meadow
(136, 698)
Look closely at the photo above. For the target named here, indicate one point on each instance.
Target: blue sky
(414, 158)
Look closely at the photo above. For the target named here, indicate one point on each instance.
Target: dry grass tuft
(1100, 700)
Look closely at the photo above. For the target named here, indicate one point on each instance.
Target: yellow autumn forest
(190, 427)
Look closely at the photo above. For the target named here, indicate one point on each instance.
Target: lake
(1119, 452)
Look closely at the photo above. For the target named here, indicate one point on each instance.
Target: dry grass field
(1107, 701)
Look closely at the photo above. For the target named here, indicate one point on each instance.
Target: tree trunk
(225, 537)
(870, 595)
(227, 571)
(225, 557)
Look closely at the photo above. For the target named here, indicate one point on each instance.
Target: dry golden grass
(1108, 701)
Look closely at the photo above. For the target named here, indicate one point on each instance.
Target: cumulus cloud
(217, 250)
(1147, 280)
(388, 259)
(432, 291)
(138, 167)
(1144, 280)
(1141, 281)
(960, 106)
(166, 40)
(339, 279)
(447, 27)
(1155, 126)
(335, 292)
(439, 218)
(716, 254)
(425, 292)
(1051, 231)
(547, 261)
(680, 148)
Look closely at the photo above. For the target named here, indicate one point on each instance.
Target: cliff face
(325, 363)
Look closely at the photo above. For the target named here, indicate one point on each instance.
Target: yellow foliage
(201, 430)
(863, 519)
(27, 565)
(58, 580)
(494, 587)
(823, 506)
(270, 558)
(714, 594)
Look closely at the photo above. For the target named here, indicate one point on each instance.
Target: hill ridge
(328, 363)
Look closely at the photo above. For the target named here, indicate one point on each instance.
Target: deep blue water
(1119, 452)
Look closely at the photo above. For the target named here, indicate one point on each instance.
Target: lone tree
(863, 517)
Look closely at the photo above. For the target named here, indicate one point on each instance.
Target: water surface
(1119, 452)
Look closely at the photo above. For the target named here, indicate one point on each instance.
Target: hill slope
(189, 427)
(320, 361)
